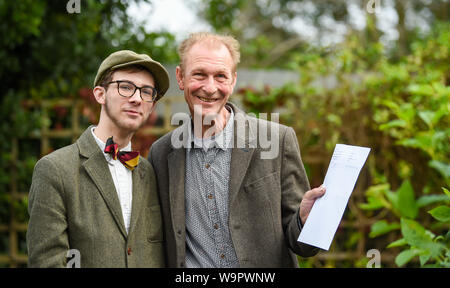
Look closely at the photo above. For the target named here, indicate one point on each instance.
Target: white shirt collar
(221, 140)
(102, 146)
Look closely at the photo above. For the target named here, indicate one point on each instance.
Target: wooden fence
(15, 228)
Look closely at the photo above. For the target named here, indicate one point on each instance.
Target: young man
(91, 197)
(230, 205)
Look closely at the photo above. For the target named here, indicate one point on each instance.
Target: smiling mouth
(132, 112)
(208, 100)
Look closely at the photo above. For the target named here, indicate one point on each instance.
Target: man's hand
(308, 201)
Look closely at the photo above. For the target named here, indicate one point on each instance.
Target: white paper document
(326, 214)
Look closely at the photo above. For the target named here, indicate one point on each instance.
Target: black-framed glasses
(127, 89)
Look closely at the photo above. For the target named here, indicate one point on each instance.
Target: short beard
(116, 121)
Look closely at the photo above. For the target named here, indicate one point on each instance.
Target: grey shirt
(208, 240)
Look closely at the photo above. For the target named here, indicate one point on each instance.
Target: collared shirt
(122, 178)
(208, 239)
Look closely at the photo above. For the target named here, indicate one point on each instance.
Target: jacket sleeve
(47, 239)
(294, 184)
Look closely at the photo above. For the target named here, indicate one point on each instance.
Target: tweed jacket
(73, 204)
(264, 195)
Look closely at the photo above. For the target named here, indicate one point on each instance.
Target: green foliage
(47, 53)
(399, 107)
(382, 227)
(422, 243)
(221, 14)
(415, 114)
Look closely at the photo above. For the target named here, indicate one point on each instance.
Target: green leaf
(398, 243)
(407, 112)
(424, 258)
(441, 213)
(375, 197)
(406, 202)
(441, 167)
(416, 235)
(393, 124)
(431, 199)
(406, 256)
(419, 142)
(423, 89)
(446, 191)
(382, 227)
(427, 117)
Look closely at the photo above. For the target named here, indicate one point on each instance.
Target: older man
(229, 204)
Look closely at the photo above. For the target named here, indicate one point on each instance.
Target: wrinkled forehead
(212, 52)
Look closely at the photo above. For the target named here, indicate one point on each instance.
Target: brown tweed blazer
(73, 204)
(264, 196)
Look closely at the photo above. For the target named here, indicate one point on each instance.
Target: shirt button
(210, 196)
(207, 166)
(216, 226)
(222, 256)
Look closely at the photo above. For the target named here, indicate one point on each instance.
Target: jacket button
(129, 251)
(181, 264)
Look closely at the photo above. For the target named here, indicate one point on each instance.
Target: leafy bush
(356, 94)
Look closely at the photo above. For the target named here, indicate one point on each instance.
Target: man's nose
(136, 97)
(210, 86)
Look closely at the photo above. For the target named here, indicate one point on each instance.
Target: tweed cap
(125, 58)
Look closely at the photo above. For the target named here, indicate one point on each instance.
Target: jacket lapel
(176, 161)
(240, 156)
(97, 168)
(138, 196)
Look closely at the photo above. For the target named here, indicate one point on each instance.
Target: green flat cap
(125, 58)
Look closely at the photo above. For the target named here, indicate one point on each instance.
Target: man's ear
(234, 79)
(179, 74)
(100, 94)
(233, 83)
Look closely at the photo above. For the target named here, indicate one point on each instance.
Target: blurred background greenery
(379, 80)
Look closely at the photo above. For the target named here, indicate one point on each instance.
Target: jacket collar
(181, 136)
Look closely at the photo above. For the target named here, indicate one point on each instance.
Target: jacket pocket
(270, 179)
(155, 233)
(260, 206)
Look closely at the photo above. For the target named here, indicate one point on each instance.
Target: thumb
(316, 192)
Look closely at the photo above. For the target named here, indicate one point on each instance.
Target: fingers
(315, 193)
(308, 201)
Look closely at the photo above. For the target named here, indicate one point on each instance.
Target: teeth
(207, 99)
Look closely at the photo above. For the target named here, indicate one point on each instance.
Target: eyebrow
(202, 70)
(131, 82)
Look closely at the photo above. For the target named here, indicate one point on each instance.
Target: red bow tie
(129, 159)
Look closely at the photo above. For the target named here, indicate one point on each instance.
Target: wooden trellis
(12, 257)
